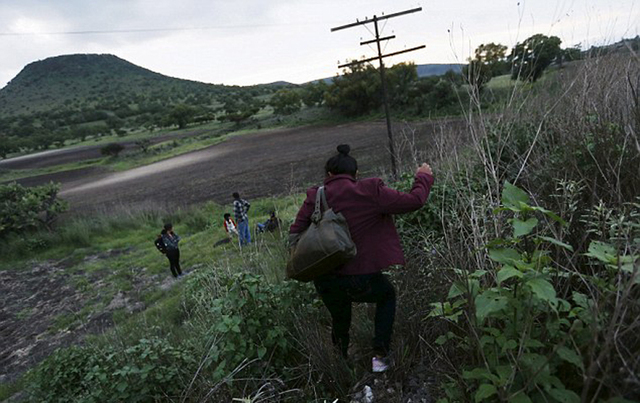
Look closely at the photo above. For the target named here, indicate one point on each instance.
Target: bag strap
(320, 198)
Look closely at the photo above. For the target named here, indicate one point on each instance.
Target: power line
(143, 30)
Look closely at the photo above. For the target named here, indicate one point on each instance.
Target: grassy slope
(140, 263)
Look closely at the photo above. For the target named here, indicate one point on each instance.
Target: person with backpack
(368, 206)
(167, 243)
(240, 210)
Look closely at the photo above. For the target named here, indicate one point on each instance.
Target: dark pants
(174, 261)
(339, 292)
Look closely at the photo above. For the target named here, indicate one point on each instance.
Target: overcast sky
(251, 42)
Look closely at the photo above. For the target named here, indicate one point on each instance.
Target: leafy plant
(23, 208)
(245, 321)
(528, 342)
(151, 370)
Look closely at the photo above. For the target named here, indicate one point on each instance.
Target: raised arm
(394, 202)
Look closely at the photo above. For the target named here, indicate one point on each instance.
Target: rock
(119, 301)
(368, 394)
(136, 307)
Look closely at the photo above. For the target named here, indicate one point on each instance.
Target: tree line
(355, 93)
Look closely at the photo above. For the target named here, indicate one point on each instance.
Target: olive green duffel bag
(322, 247)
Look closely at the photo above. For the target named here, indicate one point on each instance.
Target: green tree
(312, 94)
(7, 146)
(531, 57)
(400, 80)
(356, 92)
(23, 208)
(571, 54)
(431, 94)
(181, 115)
(240, 107)
(489, 61)
(111, 149)
(114, 123)
(285, 102)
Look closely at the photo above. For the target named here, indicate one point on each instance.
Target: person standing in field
(170, 240)
(240, 210)
(367, 205)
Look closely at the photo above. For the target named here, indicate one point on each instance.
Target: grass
(101, 264)
(8, 175)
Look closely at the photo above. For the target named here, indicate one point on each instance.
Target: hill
(87, 80)
(426, 70)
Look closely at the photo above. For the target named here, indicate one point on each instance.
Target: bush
(112, 149)
(251, 320)
(527, 324)
(23, 209)
(151, 370)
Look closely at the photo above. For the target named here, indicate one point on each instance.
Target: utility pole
(383, 79)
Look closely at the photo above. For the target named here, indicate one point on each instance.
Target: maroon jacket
(367, 204)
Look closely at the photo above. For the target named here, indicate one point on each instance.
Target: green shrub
(23, 209)
(251, 320)
(528, 325)
(151, 370)
(111, 149)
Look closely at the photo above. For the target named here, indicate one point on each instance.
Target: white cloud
(251, 41)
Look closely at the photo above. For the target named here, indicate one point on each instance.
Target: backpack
(322, 247)
(159, 243)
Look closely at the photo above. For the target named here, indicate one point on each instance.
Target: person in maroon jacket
(367, 205)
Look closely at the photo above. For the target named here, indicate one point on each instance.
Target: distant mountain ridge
(436, 69)
(423, 70)
(70, 80)
(81, 81)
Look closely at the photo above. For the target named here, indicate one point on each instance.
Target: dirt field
(256, 165)
(50, 158)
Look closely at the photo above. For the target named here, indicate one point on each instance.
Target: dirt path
(257, 165)
(50, 158)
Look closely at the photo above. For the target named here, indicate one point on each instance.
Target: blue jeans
(243, 232)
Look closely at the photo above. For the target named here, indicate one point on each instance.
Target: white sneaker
(379, 364)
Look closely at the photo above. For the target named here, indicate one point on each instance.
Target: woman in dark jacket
(170, 240)
(367, 205)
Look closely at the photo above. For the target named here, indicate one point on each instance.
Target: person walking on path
(240, 210)
(170, 240)
(367, 205)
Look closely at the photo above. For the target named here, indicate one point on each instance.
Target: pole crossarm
(386, 38)
(384, 17)
(380, 57)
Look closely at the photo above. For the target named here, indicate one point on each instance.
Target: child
(230, 225)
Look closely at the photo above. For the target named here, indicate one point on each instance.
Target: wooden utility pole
(385, 97)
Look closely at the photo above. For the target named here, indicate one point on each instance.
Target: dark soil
(256, 165)
(33, 300)
(75, 154)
